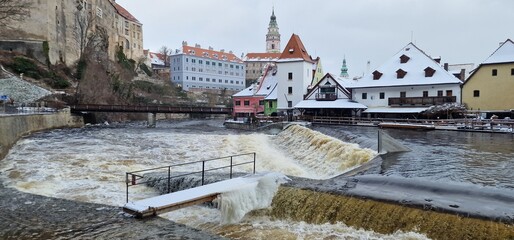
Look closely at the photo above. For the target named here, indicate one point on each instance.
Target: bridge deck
(176, 200)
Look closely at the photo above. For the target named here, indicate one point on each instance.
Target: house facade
(199, 69)
(329, 98)
(251, 101)
(408, 83)
(296, 70)
(490, 87)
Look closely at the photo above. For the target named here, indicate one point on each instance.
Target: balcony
(326, 96)
(421, 101)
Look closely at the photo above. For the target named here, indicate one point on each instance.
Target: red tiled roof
(295, 49)
(206, 53)
(157, 55)
(124, 13)
(263, 55)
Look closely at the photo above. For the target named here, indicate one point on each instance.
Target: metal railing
(135, 178)
(421, 101)
(149, 108)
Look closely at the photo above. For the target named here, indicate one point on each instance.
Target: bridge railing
(137, 177)
(149, 109)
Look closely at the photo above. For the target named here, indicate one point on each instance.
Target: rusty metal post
(169, 179)
(127, 184)
(254, 163)
(203, 171)
(230, 167)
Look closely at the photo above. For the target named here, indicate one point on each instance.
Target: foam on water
(235, 204)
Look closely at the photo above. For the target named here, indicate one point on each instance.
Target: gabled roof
(334, 79)
(504, 54)
(156, 58)
(207, 53)
(124, 13)
(267, 84)
(414, 68)
(262, 56)
(295, 50)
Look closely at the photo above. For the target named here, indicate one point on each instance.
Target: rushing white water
(235, 204)
(89, 165)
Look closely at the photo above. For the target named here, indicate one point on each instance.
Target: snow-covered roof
(266, 84)
(339, 103)
(504, 54)
(396, 110)
(415, 63)
(156, 58)
(273, 94)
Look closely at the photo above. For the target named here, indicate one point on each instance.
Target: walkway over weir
(148, 109)
(192, 196)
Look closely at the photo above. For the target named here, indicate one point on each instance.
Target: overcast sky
(460, 31)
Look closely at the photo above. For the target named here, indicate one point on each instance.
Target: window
(403, 94)
(289, 103)
(187, 59)
(261, 102)
(238, 103)
(382, 95)
(425, 93)
(194, 78)
(207, 79)
(449, 93)
(364, 95)
(512, 71)
(495, 72)
(247, 102)
(200, 79)
(200, 61)
(290, 90)
(476, 93)
(290, 76)
(439, 93)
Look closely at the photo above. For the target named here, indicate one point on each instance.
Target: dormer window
(429, 72)
(404, 58)
(400, 73)
(291, 50)
(377, 75)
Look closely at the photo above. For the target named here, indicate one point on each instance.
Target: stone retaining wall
(13, 127)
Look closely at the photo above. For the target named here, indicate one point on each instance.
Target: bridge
(150, 109)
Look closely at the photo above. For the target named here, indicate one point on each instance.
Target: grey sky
(460, 31)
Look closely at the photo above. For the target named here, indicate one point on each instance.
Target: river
(88, 165)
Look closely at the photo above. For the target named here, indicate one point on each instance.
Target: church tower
(273, 36)
(344, 70)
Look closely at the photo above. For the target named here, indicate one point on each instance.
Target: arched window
(127, 44)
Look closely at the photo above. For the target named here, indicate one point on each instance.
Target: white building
(409, 82)
(196, 68)
(296, 70)
(329, 98)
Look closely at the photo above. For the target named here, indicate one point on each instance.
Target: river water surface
(89, 165)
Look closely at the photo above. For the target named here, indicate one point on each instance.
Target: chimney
(446, 66)
(198, 45)
(184, 43)
(230, 52)
(210, 48)
(437, 60)
(222, 50)
(462, 75)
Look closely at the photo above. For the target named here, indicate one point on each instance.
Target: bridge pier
(152, 120)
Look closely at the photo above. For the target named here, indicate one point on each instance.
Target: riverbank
(13, 127)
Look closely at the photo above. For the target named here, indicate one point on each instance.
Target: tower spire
(273, 36)
(344, 69)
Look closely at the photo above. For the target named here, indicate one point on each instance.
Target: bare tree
(166, 53)
(13, 10)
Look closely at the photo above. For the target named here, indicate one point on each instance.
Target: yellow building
(490, 88)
